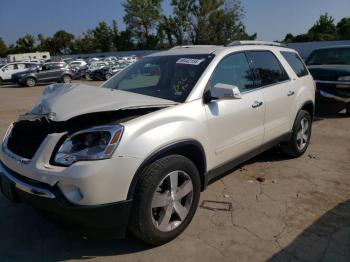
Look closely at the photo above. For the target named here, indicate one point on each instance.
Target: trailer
(29, 57)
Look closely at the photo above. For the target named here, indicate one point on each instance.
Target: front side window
(9, 67)
(295, 63)
(266, 67)
(234, 70)
(331, 56)
(169, 77)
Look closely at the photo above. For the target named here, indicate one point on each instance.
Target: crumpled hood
(64, 101)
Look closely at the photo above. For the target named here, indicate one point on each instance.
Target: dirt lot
(300, 213)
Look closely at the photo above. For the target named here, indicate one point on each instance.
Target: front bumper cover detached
(101, 221)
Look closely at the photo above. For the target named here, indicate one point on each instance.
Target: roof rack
(235, 43)
(191, 46)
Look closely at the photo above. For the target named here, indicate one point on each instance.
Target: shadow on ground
(327, 239)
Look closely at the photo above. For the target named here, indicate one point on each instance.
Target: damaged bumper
(109, 220)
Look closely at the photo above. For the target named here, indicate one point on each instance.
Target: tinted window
(296, 63)
(234, 70)
(266, 67)
(168, 77)
(332, 56)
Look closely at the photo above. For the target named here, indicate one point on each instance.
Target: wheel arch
(308, 106)
(192, 149)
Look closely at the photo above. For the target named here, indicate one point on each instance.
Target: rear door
(235, 126)
(275, 84)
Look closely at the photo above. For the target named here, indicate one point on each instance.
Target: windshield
(167, 77)
(332, 56)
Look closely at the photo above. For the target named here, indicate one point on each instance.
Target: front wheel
(108, 76)
(166, 199)
(300, 137)
(30, 81)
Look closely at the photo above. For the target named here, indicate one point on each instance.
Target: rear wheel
(300, 137)
(30, 81)
(348, 109)
(67, 79)
(166, 199)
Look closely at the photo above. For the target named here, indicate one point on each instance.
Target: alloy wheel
(303, 134)
(172, 201)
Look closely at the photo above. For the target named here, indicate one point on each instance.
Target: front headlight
(89, 144)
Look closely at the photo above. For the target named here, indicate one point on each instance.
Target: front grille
(26, 136)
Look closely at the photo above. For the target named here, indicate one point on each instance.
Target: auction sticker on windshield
(189, 61)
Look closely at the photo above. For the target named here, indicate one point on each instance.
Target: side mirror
(224, 91)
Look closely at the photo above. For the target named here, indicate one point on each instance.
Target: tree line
(325, 29)
(147, 27)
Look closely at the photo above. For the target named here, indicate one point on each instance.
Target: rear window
(331, 56)
(296, 63)
(266, 67)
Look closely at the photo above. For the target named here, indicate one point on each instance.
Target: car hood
(61, 102)
(329, 72)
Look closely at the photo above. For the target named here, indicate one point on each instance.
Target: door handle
(290, 93)
(257, 104)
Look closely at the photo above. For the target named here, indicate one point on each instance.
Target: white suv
(136, 152)
(9, 69)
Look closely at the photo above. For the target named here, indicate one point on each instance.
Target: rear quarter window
(295, 63)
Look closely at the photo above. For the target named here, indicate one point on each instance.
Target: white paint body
(226, 128)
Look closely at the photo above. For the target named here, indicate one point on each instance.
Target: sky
(270, 19)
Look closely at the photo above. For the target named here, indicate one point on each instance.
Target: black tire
(0, 81)
(142, 223)
(108, 76)
(293, 147)
(30, 81)
(347, 109)
(66, 79)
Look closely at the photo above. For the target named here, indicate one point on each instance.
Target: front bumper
(107, 221)
(333, 91)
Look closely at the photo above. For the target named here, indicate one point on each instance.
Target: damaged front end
(28, 133)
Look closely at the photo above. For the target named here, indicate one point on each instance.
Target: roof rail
(235, 43)
(191, 46)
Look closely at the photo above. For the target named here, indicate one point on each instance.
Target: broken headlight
(89, 144)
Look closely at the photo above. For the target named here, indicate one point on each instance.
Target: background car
(7, 70)
(330, 68)
(49, 72)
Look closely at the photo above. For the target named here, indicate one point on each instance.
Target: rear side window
(266, 67)
(296, 63)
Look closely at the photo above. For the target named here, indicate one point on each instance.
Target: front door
(235, 126)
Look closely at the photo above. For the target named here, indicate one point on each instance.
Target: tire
(148, 213)
(66, 79)
(300, 137)
(108, 76)
(30, 81)
(0, 81)
(347, 109)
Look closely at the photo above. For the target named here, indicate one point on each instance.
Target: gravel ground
(300, 213)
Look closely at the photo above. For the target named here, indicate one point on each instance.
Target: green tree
(125, 41)
(62, 42)
(25, 44)
(324, 29)
(3, 48)
(86, 43)
(343, 28)
(205, 22)
(103, 37)
(141, 18)
(115, 35)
